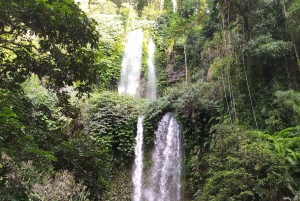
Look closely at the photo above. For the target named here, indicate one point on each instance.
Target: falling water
(165, 175)
(174, 5)
(151, 84)
(162, 4)
(131, 64)
(138, 162)
(130, 80)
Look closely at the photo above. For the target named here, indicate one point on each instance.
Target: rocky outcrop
(174, 76)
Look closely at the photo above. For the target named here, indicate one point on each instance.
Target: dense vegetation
(228, 70)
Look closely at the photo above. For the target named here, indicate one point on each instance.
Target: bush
(239, 168)
(110, 120)
(195, 107)
(285, 110)
(62, 187)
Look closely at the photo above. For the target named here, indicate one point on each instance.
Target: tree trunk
(185, 63)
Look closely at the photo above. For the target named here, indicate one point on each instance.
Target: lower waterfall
(164, 181)
(138, 162)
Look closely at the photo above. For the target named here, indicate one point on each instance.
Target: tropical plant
(110, 120)
(53, 39)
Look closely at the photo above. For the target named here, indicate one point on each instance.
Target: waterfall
(151, 81)
(166, 169)
(129, 83)
(138, 162)
(174, 5)
(131, 64)
(161, 4)
(164, 181)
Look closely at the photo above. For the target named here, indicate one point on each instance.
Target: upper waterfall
(151, 78)
(174, 5)
(131, 64)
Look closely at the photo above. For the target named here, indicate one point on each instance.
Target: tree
(51, 38)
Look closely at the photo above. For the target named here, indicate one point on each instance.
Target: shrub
(110, 120)
(239, 168)
(62, 187)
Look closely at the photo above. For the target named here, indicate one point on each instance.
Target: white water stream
(131, 64)
(138, 162)
(164, 181)
(151, 78)
(130, 84)
(166, 158)
(137, 175)
(174, 5)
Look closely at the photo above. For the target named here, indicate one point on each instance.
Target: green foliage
(265, 46)
(129, 15)
(179, 43)
(111, 49)
(267, 164)
(212, 24)
(22, 128)
(250, 42)
(88, 162)
(285, 112)
(111, 122)
(103, 7)
(292, 17)
(35, 128)
(286, 145)
(194, 105)
(26, 182)
(62, 187)
(240, 169)
(9, 119)
(150, 12)
(11, 185)
(37, 93)
(121, 186)
(64, 145)
(42, 38)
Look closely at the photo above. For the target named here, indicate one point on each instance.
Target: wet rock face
(174, 76)
(143, 86)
